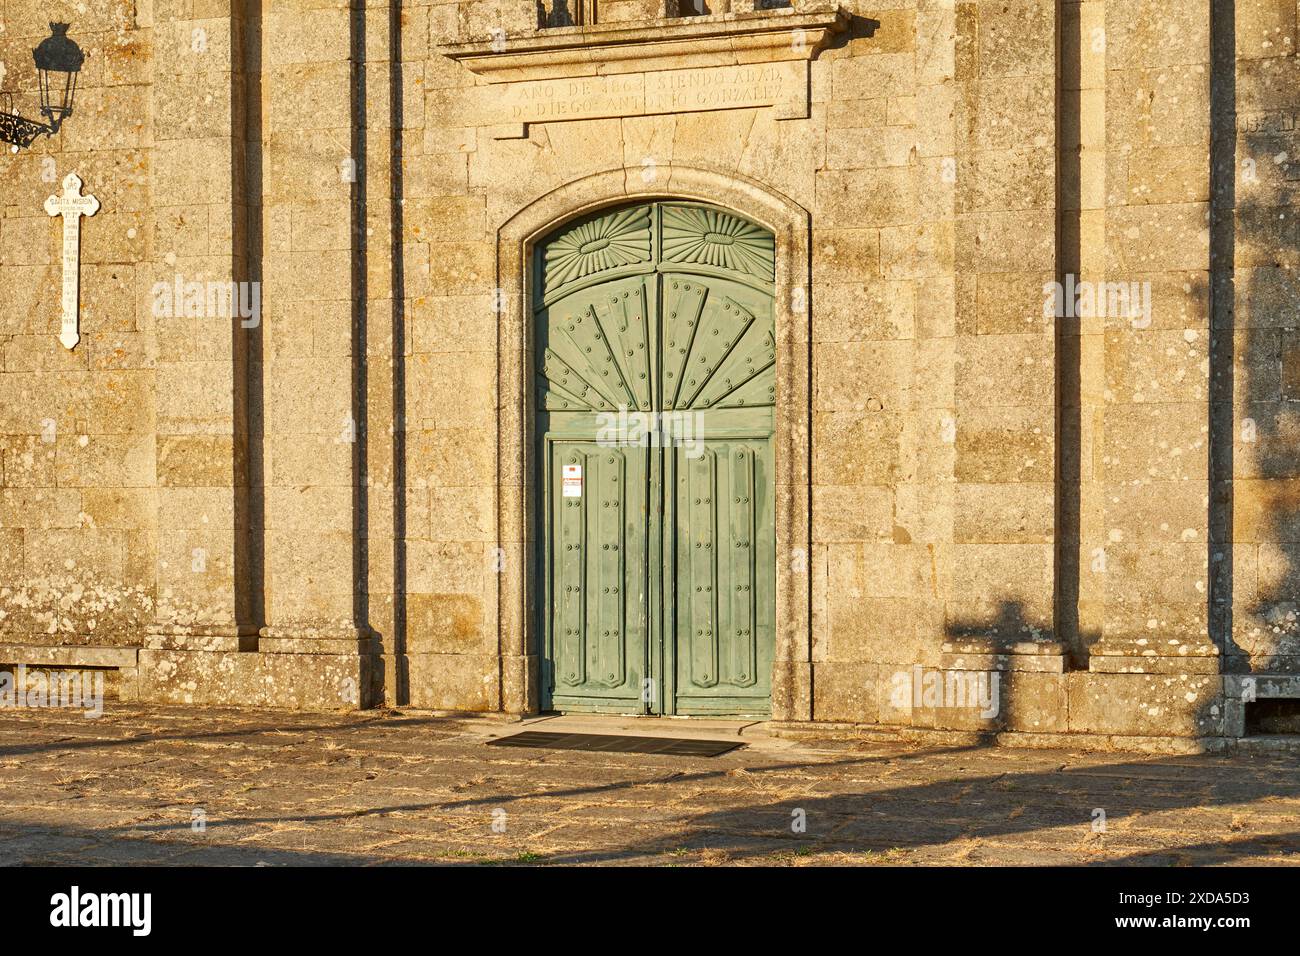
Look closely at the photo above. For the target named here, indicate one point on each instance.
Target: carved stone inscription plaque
(722, 88)
(783, 85)
(548, 101)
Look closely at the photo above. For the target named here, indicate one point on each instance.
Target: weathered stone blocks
(970, 482)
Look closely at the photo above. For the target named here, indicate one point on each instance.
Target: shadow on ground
(366, 790)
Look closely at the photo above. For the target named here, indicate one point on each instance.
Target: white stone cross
(71, 206)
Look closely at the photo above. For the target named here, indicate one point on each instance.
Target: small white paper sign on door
(572, 481)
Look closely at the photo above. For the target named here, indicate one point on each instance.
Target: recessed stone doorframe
(790, 223)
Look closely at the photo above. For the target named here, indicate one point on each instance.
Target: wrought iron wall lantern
(58, 63)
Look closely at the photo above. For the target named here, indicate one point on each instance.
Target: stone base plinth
(119, 664)
(1030, 693)
(520, 693)
(792, 690)
(207, 637)
(454, 682)
(252, 679)
(1043, 657)
(1153, 656)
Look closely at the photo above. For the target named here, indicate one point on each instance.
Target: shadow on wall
(1010, 623)
(560, 15)
(1256, 500)
(1253, 509)
(1008, 626)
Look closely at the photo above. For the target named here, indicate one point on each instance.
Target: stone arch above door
(517, 236)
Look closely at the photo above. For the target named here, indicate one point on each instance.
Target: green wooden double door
(656, 386)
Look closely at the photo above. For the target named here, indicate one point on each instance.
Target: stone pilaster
(455, 639)
(891, 595)
(1257, 355)
(1082, 359)
(385, 322)
(315, 268)
(1005, 247)
(206, 604)
(1153, 448)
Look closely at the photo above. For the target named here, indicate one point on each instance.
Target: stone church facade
(927, 365)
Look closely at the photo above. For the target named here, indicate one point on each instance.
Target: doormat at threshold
(617, 743)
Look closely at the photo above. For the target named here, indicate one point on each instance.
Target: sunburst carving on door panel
(747, 378)
(716, 354)
(696, 236)
(617, 239)
(683, 306)
(625, 321)
(598, 352)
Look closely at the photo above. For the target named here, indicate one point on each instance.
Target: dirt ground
(206, 786)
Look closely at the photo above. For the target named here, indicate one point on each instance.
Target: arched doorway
(654, 408)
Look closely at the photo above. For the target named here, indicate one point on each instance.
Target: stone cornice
(728, 39)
